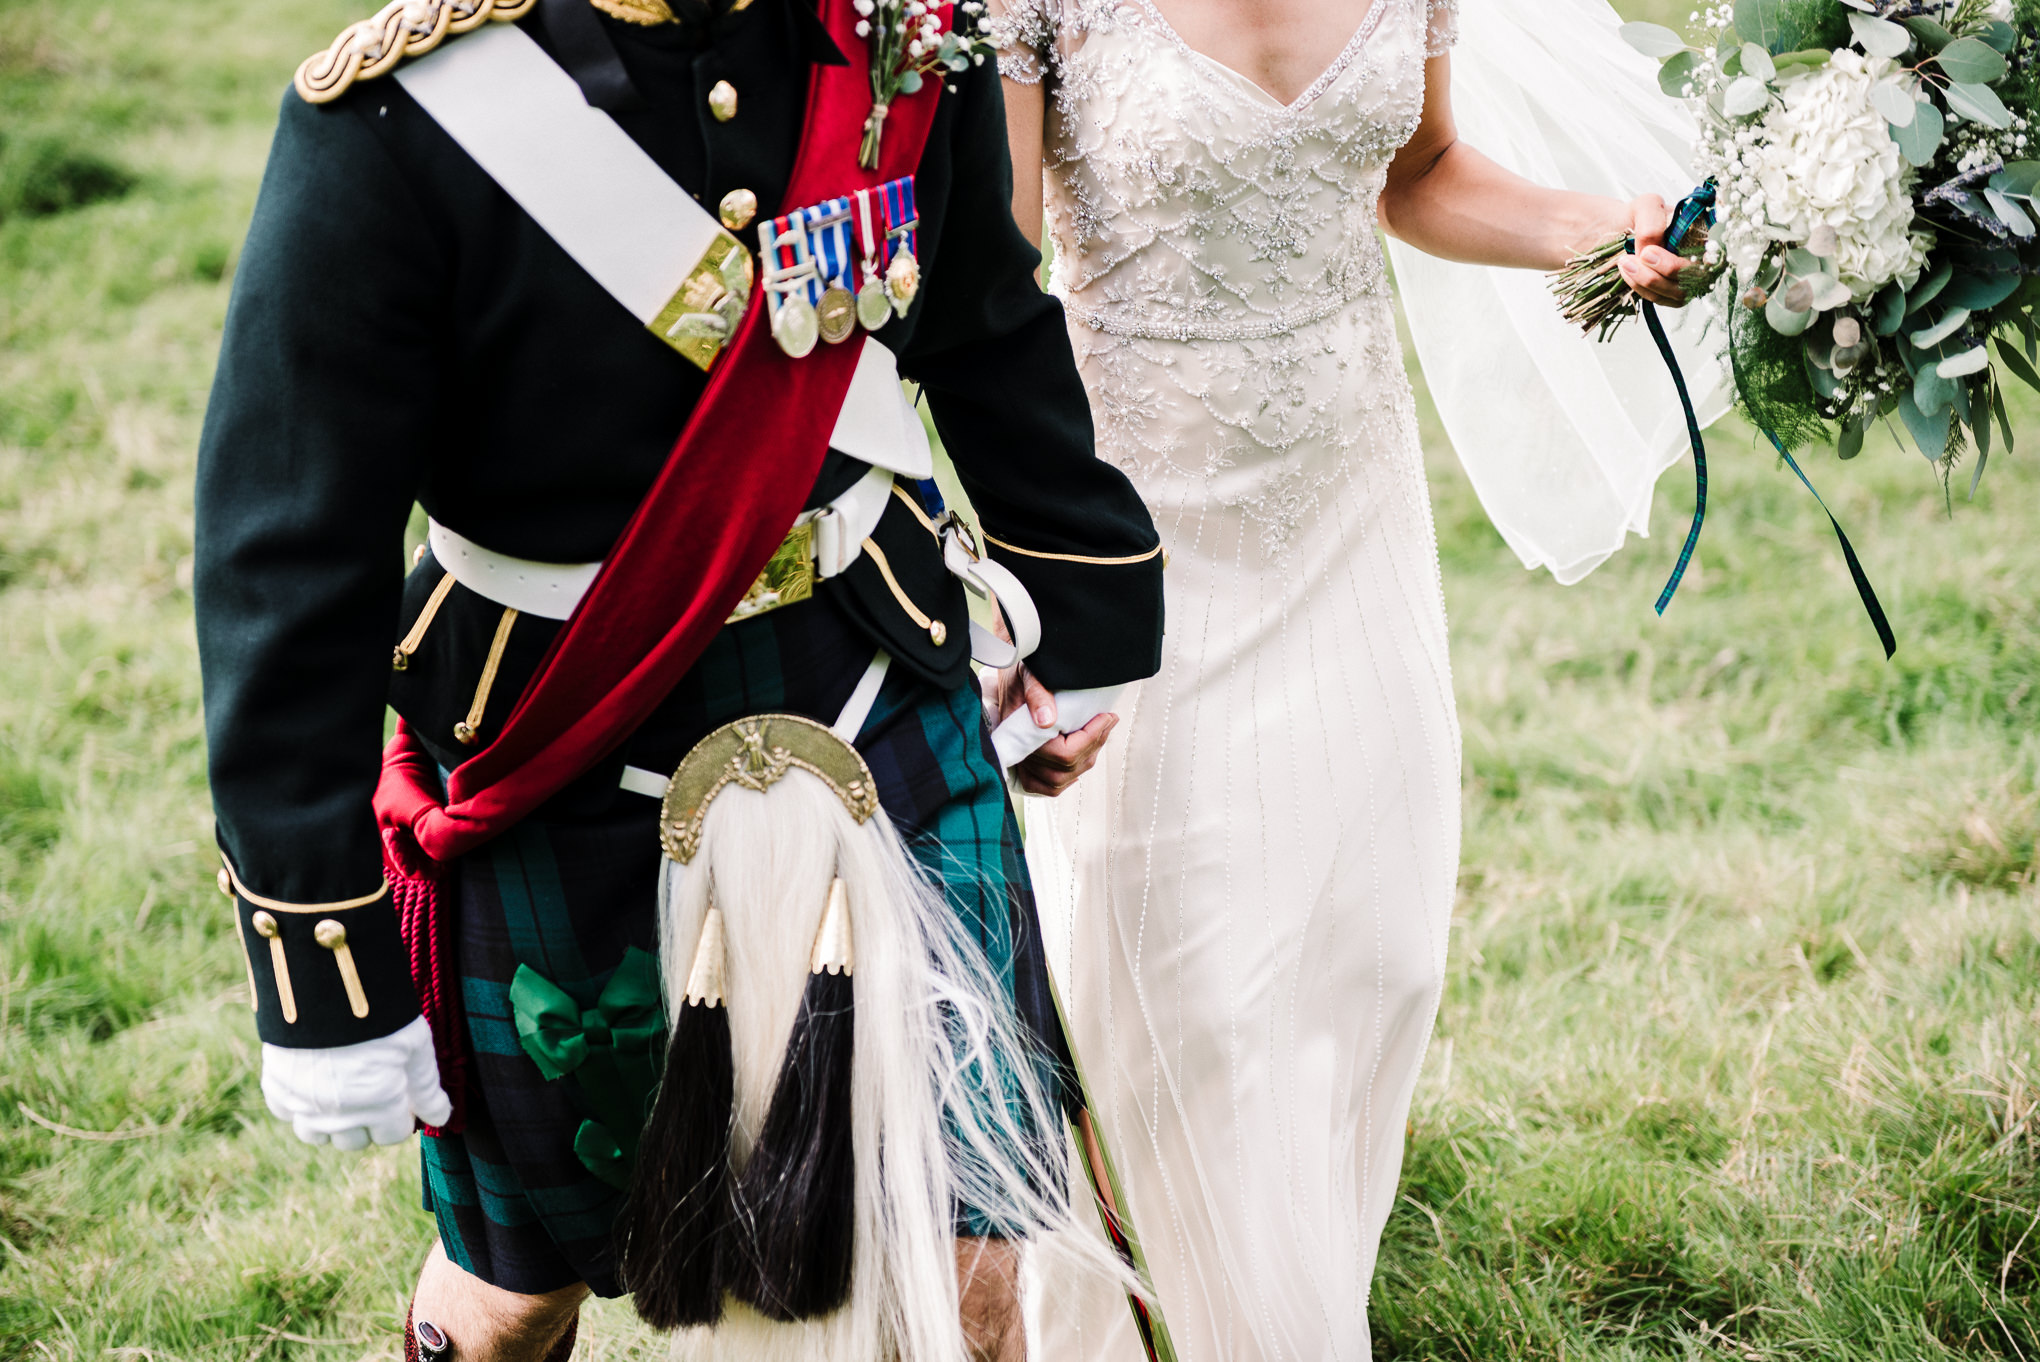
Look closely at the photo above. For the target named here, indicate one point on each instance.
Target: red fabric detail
(733, 483)
(735, 480)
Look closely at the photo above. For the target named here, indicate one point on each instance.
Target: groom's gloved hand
(355, 1094)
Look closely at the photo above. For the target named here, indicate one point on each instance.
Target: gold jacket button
(737, 209)
(722, 101)
(938, 632)
(264, 925)
(225, 882)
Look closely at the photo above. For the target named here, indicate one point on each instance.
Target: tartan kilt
(573, 887)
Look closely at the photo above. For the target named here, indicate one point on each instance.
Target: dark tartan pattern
(570, 889)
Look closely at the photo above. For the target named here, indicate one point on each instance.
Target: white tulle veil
(1562, 438)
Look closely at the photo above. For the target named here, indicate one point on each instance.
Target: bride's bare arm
(1446, 199)
(1025, 110)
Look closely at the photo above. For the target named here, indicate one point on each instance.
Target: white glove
(352, 1094)
(1017, 738)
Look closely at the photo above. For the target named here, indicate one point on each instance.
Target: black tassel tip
(795, 1202)
(677, 1211)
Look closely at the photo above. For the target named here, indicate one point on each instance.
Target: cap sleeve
(1023, 33)
(1443, 27)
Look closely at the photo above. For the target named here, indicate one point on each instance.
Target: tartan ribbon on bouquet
(1696, 211)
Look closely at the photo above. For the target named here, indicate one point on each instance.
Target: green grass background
(1737, 1057)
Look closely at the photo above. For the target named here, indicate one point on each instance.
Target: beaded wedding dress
(1248, 898)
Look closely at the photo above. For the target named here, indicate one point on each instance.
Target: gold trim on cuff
(991, 538)
(277, 905)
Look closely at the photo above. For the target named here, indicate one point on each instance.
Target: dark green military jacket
(401, 331)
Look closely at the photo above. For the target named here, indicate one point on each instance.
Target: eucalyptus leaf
(1653, 40)
(1997, 404)
(1879, 37)
(1744, 96)
(1807, 58)
(1761, 21)
(2000, 35)
(1931, 35)
(1676, 74)
(1921, 138)
(1828, 292)
(1894, 102)
(2020, 178)
(1850, 443)
(1926, 338)
(1757, 62)
(1979, 402)
(2008, 213)
(1783, 319)
(1823, 379)
(1971, 361)
(1970, 61)
(1929, 288)
(1979, 104)
(1887, 310)
(1980, 292)
(1929, 431)
(910, 83)
(2018, 364)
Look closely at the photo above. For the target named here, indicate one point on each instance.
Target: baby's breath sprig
(909, 42)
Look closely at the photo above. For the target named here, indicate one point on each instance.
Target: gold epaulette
(400, 29)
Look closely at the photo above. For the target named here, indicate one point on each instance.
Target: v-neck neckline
(1354, 44)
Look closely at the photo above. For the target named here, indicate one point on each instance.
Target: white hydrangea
(2001, 10)
(1822, 157)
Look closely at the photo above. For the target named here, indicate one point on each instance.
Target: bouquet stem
(1593, 295)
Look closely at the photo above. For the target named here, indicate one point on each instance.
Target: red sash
(734, 482)
(736, 479)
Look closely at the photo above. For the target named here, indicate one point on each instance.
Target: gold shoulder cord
(400, 29)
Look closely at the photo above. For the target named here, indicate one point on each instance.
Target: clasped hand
(1653, 271)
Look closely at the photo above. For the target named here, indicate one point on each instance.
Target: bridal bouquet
(1873, 208)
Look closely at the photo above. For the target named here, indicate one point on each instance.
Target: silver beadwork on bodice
(1216, 250)
(1185, 203)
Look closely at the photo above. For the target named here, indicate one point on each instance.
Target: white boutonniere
(909, 42)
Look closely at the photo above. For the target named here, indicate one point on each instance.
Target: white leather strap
(569, 165)
(638, 780)
(849, 723)
(548, 590)
(552, 590)
(858, 707)
(842, 526)
(985, 579)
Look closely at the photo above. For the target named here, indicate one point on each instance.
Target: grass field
(1738, 1055)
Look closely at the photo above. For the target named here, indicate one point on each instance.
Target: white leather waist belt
(831, 537)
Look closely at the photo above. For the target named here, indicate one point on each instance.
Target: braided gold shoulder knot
(400, 29)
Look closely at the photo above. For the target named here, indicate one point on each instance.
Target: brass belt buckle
(703, 313)
(788, 578)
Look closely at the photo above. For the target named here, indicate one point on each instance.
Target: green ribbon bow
(612, 1050)
(561, 1036)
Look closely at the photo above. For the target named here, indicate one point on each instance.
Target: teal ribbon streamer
(1695, 208)
(1664, 345)
(1862, 579)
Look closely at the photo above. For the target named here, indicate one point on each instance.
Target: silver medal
(795, 326)
(874, 308)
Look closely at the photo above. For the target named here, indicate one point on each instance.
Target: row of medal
(839, 264)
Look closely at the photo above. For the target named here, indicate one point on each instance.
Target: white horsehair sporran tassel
(843, 973)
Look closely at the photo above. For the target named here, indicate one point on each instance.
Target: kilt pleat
(572, 888)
